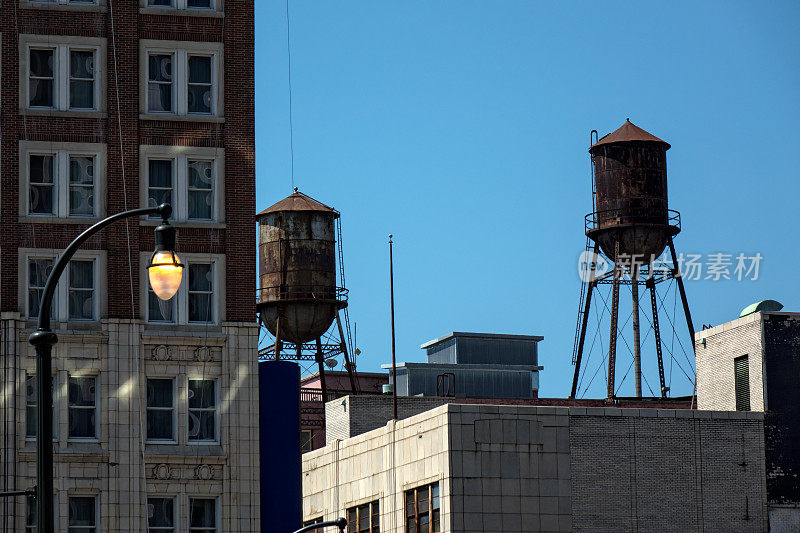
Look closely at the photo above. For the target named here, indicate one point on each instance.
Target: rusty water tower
(631, 225)
(298, 298)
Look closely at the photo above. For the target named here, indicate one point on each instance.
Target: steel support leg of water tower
(582, 339)
(651, 284)
(612, 341)
(347, 363)
(321, 362)
(278, 343)
(637, 347)
(679, 277)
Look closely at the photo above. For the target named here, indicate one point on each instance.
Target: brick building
(478, 468)
(108, 106)
(753, 364)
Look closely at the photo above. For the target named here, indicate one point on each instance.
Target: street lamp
(165, 272)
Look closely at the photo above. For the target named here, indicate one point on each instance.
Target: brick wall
(714, 361)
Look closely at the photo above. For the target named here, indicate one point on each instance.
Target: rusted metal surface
(630, 180)
(629, 132)
(297, 274)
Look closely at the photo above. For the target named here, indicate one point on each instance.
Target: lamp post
(165, 272)
(341, 523)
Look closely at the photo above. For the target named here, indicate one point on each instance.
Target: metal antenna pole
(394, 361)
(637, 347)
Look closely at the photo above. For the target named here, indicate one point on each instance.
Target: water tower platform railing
(285, 293)
(599, 220)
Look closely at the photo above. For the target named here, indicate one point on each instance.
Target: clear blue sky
(462, 128)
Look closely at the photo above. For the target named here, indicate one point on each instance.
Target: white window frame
(180, 51)
(217, 514)
(217, 429)
(183, 5)
(180, 157)
(61, 295)
(174, 439)
(62, 151)
(182, 297)
(62, 76)
(96, 498)
(174, 499)
(96, 377)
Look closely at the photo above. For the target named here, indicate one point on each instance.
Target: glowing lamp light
(165, 269)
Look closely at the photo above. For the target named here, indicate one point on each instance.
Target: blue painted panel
(279, 433)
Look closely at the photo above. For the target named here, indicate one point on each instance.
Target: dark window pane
(200, 277)
(202, 513)
(159, 97)
(42, 168)
(81, 94)
(160, 67)
(161, 512)
(81, 64)
(159, 425)
(81, 392)
(200, 308)
(82, 512)
(41, 63)
(202, 393)
(198, 3)
(41, 199)
(167, 3)
(81, 274)
(160, 173)
(41, 93)
(159, 393)
(201, 174)
(200, 205)
(81, 423)
(199, 69)
(199, 99)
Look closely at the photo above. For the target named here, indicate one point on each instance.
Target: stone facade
(521, 468)
(112, 344)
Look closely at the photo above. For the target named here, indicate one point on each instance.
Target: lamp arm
(43, 324)
(341, 523)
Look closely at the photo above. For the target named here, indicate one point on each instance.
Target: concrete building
(474, 365)
(481, 468)
(753, 364)
(108, 106)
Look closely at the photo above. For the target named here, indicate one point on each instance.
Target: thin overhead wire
(289, 66)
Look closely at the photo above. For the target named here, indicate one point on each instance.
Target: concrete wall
(525, 468)
(714, 361)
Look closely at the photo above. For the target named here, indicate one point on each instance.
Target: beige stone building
(481, 468)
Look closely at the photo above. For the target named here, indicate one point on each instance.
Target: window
(32, 411)
(183, 4)
(63, 77)
(202, 410)
(306, 440)
(363, 518)
(317, 520)
(160, 409)
(422, 509)
(741, 371)
(82, 514)
(82, 407)
(74, 298)
(61, 184)
(195, 301)
(188, 182)
(160, 514)
(202, 514)
(182, 79)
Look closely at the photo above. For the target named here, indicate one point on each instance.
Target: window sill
(208, 13)
(88, 8)
(32, 219)
(184, 224)
(211, 334)
(182, 118)
(57, 113)
(155, 452)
